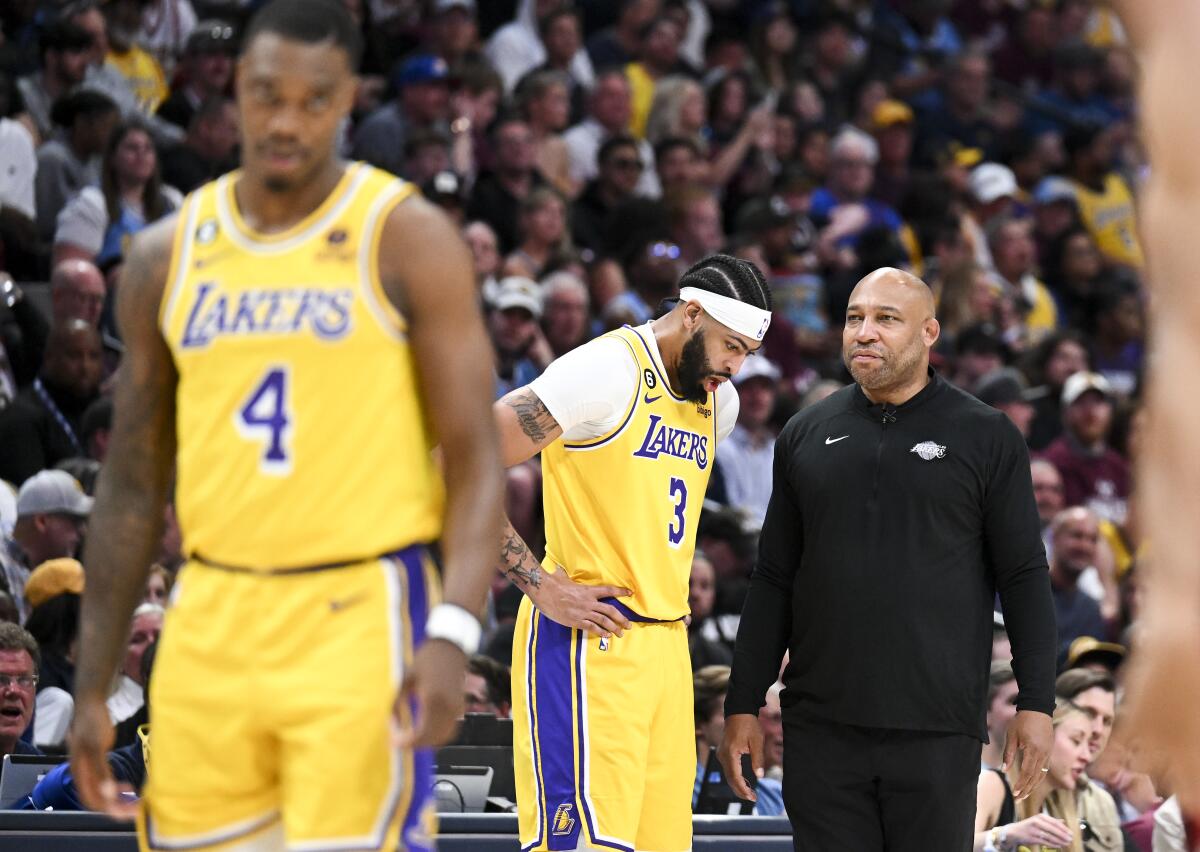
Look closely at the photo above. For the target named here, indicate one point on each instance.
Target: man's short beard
(694, 369)
(892, 372)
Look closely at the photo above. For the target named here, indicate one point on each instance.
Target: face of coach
(889, 331)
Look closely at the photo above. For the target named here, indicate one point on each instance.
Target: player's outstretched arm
(426, 271)
(126, 523)
(526, 428)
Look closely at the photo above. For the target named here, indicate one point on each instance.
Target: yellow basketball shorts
(604, 743)
(272, 699)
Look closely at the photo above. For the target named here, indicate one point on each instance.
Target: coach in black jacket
(900, 506)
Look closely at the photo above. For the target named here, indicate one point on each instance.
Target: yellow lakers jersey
(301, 438)
(622, 509)
(1110, 218)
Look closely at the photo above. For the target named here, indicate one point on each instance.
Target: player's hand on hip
(743, 735)
(1030, 738)
(435, 679)
(575, 605)
(91, 738)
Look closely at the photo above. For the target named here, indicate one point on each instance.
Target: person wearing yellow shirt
(658, 56)
(1014, 254)
(1105, 201)
(123, 19)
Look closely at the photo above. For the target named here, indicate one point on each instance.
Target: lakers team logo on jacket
(563, 821)
(929, 451)
(668, 441)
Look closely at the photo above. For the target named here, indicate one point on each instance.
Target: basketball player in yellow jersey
(1163, 688)
(628, 425)
(299, 337)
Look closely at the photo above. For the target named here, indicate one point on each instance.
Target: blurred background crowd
(590, 152)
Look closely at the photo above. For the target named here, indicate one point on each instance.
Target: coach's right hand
(743, 735)
(575, 605)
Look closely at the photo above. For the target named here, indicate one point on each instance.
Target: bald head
(74, 358)
(77, 292)
(889, 331)
(1074, 515)
(1076, 537)
(898, 288)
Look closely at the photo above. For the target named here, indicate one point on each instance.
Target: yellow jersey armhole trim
(181, 244)
(593, 443)
(381, 306)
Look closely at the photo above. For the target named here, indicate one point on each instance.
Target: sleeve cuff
(1036, 706)
(734, 706)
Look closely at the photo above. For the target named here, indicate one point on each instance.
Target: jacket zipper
(886, 418)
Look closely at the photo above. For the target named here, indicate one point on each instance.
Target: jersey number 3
(266, 418)
(679, 498)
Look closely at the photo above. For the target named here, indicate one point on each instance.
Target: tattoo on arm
(517, 563)
(535, 421)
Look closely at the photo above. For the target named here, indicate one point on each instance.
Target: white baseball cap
(757, 367)
(516, 291)
(1082, 382)
(990, 181)
(52, 492)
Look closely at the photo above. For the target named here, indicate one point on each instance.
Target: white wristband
(455, 625)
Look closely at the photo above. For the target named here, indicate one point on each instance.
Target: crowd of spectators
(591, 151)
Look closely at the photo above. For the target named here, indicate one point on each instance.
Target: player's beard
(694, 368)
(893, 370)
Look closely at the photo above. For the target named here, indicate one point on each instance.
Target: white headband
(745, 319)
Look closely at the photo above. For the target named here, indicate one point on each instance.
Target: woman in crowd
(545, 241)
(1041, 822)
(969, 295)
(158, 585)
(739, 134)
(773, 49)
(710, 637)
(678, 109)
(1047, 368)
(97, 224)
(546, 104)
(1073, 268)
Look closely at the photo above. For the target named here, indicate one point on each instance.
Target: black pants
(875, 789)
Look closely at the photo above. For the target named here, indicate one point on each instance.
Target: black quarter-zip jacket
(888, 534)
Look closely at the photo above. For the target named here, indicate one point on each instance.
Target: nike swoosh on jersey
(339, 604)
(649, 399)
(829, 440)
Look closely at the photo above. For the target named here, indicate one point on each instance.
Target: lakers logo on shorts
(563, 821)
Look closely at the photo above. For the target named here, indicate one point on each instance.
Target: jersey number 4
(266, 418)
